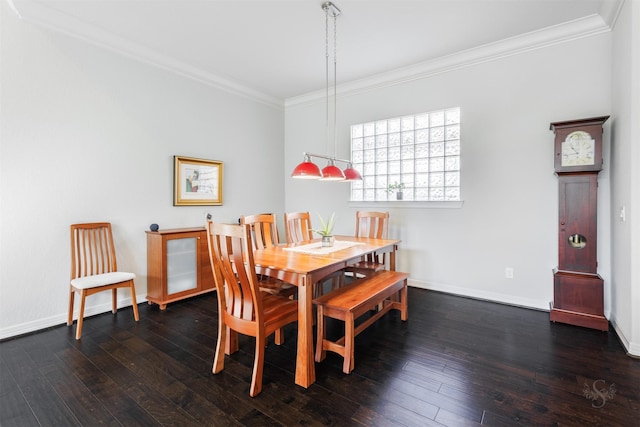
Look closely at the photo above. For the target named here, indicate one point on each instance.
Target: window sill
(408, 204)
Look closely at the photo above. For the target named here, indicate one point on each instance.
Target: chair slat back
(374, 225)
(298, 227)
(92, 249)
(264, 229)
(233, 267)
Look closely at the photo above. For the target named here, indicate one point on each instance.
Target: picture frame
(197, 182)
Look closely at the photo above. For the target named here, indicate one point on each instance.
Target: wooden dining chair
(242, 307)
(94, 269)
(264, 234)
(374, 225)
(298, 229)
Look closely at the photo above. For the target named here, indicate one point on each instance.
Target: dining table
(305, 264)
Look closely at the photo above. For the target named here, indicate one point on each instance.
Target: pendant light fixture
(307, 169)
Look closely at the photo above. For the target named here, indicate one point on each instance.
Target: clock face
(578, 149)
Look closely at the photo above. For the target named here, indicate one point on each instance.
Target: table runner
(316, 248)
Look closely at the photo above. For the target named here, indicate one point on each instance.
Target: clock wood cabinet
(578, 296)
(178, 265)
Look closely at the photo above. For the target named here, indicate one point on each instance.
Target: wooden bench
(352, 301)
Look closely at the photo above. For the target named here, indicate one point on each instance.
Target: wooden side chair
(94, 269)
(242, 307)
(298, 229)
(374, 225)
(264, 234)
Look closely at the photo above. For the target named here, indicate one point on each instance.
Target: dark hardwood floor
(456, 362)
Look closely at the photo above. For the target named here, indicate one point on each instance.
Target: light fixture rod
(335, 85)
(326, 157)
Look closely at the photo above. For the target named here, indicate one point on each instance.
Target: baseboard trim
(535, 304)
(632, 349)
(61, 319)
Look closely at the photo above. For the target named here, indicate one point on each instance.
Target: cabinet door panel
(578, 209)
(182, 268)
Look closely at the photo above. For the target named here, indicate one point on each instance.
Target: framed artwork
(196, 182)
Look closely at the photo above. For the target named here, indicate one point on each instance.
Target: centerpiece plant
(326, 230)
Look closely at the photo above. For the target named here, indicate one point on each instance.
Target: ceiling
(275, 49)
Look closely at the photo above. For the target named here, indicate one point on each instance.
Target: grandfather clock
(578, 296)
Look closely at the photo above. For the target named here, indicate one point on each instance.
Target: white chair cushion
(97, 280)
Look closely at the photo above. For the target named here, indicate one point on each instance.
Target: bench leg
(349, 338)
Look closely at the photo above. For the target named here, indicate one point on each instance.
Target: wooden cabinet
(178, 265)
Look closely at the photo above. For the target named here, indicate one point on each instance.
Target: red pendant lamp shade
(351, 174)
(332, 173)
(306, 170)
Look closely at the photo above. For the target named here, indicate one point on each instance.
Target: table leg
(305, 367)
(392, 259)
(392, 267)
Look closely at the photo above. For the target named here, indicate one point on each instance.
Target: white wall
(625, 156)
(510, 191)
(90, 135)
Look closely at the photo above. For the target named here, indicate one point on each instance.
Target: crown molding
(610, 10)
(39, 14)
(562, 33)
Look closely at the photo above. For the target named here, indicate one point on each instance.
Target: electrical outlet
(508, 273)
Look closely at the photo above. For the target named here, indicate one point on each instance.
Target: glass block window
(420, 153)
